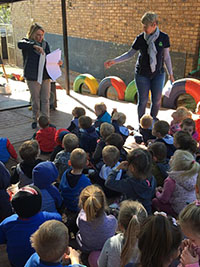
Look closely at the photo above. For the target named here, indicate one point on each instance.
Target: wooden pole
(65, 45)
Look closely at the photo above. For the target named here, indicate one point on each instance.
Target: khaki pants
(40, 94)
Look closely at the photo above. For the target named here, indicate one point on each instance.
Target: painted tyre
(131, 92)
(183, 86)
(114, 81)
(87, 79)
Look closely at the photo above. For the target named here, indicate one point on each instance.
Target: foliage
(5, 13)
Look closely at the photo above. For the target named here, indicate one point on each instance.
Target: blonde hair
(50, 240)
(183, 160)
(70, 142)
(110, 155)
(78, 158)
(190, 216)
(101, 107)
(29, 150)
(93, 201)
(32, 31)
(182, 113)
(149, 18)
(146, 121)
(106, 129)
(131, 215)
(122, 118)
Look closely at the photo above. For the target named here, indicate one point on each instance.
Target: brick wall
(115, 21)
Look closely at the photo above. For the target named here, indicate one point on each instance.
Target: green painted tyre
(131, 92)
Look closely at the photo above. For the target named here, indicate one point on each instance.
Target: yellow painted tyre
(87, 79)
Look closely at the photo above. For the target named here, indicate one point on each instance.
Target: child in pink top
(178, 116)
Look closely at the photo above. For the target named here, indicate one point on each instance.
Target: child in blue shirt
(44, 174)
(15, 230)
(51, 244)
(102, 115)
(76, 112)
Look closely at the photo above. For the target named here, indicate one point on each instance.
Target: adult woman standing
(34, 48)
(153, 46)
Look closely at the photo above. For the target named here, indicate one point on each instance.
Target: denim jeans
(155, 85)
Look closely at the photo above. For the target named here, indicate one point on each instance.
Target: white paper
(52, 66)
(167, 88)
(41, 68)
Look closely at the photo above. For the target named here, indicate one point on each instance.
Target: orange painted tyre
(114, 81)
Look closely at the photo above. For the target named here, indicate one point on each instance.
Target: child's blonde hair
(146, 121)
(28, 151)
(119, 117)
(50, 241)
(183, 160)
(110, 155)
(131, 215)
(101, 107)
(78, 158)
(182, 113)
(106, 129)
(70, 142)
(93, 201)
(190, 217)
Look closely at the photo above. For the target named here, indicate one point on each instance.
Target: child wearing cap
(44, 174)
(15, 231)
(51, 244)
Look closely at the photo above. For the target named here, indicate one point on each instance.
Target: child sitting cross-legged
(118, 120)
(145, 129)
(160, 164)
(77, 112)
(95, 226)
(70, 142)
(87, 134)
(106, 129)
(102, 115)
(46, 136)
(15, 230)
(178, 116)
(44, 174)
(50, 242)
(138, 183)
(160, 131)
(73, 181)
(179, 187)
(22, 173)
(122, 248)
(111, 156)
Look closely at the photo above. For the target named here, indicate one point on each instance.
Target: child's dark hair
(43, 121)
(188, 122)
(115, 139)
(85, 122)
(161, 127)
(158, 150)
(78, 112)
(158, 240)
(131, 215)
(141, 160)
(28, 151)
(184, 141)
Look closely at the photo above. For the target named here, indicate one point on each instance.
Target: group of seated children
(148, 188)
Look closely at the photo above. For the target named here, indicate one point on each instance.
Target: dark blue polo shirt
(143, 64)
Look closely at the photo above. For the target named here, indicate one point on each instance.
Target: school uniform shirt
(142, 66)
(168, 140)
(142, 190)
(15, 233)
(35, 261)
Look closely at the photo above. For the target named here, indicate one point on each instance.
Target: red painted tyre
(114, 81)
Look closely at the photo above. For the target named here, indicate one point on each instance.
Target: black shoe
(34, 125)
